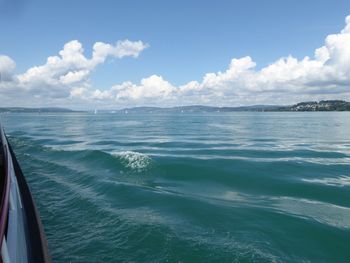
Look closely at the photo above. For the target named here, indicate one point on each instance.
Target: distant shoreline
(324, 105)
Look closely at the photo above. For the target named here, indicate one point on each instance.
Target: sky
(115, 54)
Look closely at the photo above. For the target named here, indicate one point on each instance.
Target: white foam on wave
(331, 181)
(134, 160)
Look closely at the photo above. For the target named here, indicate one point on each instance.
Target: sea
(189, 187)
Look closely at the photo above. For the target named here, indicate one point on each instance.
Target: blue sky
(186, 39)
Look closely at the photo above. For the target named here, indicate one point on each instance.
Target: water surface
(218, 187)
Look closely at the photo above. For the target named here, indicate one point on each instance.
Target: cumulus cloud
(7, 67)
(323, 75)
(121, 49)
(62, 75)
(326, 74)
(72, 67)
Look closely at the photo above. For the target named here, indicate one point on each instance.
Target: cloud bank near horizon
(64, 79)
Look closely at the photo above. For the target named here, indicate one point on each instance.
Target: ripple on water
(340, 181)
(240, 187)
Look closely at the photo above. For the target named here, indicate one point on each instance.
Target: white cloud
(63, 75)
(6, 64)
(7, 67)
(121, 49)
(325, 74)
(153, 87)
(71, 66)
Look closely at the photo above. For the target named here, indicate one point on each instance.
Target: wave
(134, 160)
(99, 160)
(325, 213)
(183, 192)
(335, 181)
(85, 160)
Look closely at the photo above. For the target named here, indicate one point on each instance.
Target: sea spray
(134, 160)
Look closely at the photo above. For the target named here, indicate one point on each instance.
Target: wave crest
(134, 160)
(338, 181)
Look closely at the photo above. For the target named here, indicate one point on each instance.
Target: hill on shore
(33, 110)
(324, 105)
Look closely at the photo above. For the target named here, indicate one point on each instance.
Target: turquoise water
(219, 187)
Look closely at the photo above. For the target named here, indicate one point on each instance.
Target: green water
(220, 187)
